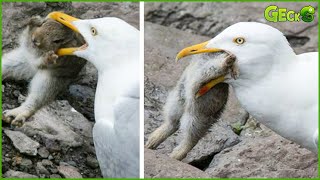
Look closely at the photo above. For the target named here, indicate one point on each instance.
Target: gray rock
(71, 163)
(82, 97)
(68, 171)
(18, 174)
(52, 146)
(46, 162)
(55, 176)
(22, 142)
(218, 138)
(59, 122)
(254, 129)
(92, 162)
(7, 159)
(160, 53)
(128, 11)
(266, 157)
(158, 165)
(16, 93)
(21, 98)
(210, 18)
(43, 152)
(53, 170)
(16, 160)
(40, 169)
(26, 163)
(42, 176)
(50, 157)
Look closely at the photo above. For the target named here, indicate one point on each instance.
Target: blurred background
(256, 151)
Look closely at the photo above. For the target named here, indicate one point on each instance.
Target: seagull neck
(282, 63)
(113, 81)
(279, 63)
(115, 61)
(284, 55)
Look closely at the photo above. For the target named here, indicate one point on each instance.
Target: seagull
(112, 46)
(277, 86)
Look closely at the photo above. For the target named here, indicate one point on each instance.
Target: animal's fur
(35, 60)
(196, 115)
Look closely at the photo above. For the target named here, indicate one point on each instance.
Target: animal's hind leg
(43, 89)
(173, 111)
(193, 131)
(161, 134)
(199, 117)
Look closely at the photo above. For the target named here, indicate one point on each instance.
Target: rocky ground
(256, 151)
(57, 140)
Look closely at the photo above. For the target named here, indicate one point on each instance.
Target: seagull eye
(94, 31)
(239, 40)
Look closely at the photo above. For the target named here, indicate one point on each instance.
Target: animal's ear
(35, 21)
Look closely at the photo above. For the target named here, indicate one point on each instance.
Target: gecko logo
(276, 14)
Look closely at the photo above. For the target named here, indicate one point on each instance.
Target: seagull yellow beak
(204, 89)
(66, 20)
(196, 49)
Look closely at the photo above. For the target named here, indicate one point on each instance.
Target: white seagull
(274, 84)
(112, 46)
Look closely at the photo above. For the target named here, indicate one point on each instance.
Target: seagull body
(274, 84)
(112, 46)
(285, 100)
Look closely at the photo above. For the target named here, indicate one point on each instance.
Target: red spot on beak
(203, 90)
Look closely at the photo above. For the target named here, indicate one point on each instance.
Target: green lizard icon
(307, 13)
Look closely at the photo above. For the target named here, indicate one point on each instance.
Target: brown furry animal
(194, 114)
(35, 59)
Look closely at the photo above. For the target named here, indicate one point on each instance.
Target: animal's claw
(7, 118)
(51, 57)
(16, 117)
(235, 72)
(18, 121)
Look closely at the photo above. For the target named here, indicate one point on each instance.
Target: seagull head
(106, 38)
(257, 48)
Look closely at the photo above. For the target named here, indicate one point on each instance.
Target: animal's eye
(58, 41)
(94, 31)
(239, 40)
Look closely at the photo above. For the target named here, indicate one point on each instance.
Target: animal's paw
(16, 117)
(151, 143)
(50, 58)
(155, 138)
(230, 59)
(235, 71)
(178, 153)
(35, 21)
(231, 65)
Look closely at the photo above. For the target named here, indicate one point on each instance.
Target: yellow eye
(94, 31)
(239, 40)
